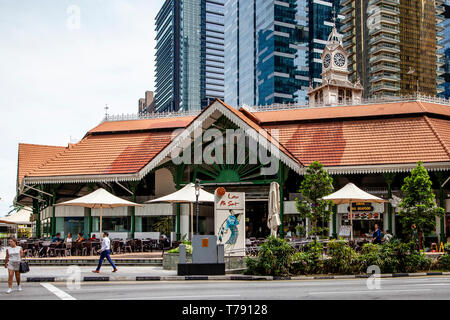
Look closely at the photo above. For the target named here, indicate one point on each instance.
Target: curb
(231, 277)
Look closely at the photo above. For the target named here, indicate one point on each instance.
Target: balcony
(346, 27)
(385, 48)
(384, 28)
(347, 19)
(348, 43)
(391, 2)
(384, 57)
(388, 10)
(389, 19)
(346, 9)
(385, 77)
(385, 87)
(345, 2)
(440, 71)
(384, 38)
(384, 67)
(347, 35)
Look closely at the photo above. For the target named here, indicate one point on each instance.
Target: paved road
(397, 288)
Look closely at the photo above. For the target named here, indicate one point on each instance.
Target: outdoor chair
(138, 247)
(146, 245)
(85, 248)
(115, 246)
(44, 248)
(67, 249)
(128, 246)
(95, 246)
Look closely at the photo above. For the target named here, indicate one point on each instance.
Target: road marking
(367, 291)
(57, 292)
(177, 297)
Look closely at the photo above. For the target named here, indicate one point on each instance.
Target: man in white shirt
(105, 253)
(387, 236)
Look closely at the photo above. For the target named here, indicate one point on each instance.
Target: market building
(373, 144)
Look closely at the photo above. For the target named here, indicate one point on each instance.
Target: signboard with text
(229, 222)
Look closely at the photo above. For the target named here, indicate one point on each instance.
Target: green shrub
(444, 262)
(342, 258)
(303, 263)
(274, 258)
(188, 248)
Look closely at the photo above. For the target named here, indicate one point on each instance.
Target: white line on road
(57, 292)
(367, 291)
(178, 297)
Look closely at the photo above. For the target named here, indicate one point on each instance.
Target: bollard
(182, 256)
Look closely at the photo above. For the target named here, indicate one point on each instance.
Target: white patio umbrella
(273, 220)
(349, 194)
(18, 217)
(186, 195)
(99, 199)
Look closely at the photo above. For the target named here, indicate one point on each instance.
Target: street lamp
(197, 193)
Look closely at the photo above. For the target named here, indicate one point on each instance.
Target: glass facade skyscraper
(266, 51)
(273, 49)
(189, 54)
(444, 53)
(321, 21)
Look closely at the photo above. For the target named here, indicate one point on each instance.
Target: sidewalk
(61, 274)
(45, 274)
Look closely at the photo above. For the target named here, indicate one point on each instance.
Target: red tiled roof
(366, 142)
(144, 124)
(371, 110)
(346, 138)
(118, 153)
(32, 156)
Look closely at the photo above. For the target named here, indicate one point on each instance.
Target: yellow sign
(441, 247)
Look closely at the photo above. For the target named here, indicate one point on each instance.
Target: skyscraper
(189, 54)
(266, 45)
(393, 44)
(444, 53)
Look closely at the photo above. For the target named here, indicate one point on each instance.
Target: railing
(154, 115)
(290, 106)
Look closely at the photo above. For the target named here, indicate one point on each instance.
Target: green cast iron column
(441, 200)
(133, 215)
(281, 181)
(334, 234)
(89, 217)
(178, 175)
(38, 217)
(389, 208)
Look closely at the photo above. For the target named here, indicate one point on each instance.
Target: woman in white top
(14, 255)
(69, 238)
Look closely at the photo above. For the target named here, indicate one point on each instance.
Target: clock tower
(335, 88)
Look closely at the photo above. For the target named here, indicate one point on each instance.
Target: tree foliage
(316, 184)
(418, 207)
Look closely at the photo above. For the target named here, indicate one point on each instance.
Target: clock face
(339, 59)
(326, 60)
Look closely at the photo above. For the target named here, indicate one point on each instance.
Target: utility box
(207, 257)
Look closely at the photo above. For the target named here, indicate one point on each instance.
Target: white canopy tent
(187, 195)
(273, 221)
(99, 199)
(349, 194)
(20, 217)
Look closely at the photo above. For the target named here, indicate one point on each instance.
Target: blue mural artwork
(230, 225)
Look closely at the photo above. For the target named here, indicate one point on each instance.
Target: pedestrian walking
(14, 255)
(387, 236)
(376, 238)
(105, 253)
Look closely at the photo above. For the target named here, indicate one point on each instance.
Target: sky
(61, 62)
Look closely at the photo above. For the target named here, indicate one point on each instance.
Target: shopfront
(365, 216)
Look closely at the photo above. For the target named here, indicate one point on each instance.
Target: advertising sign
(229, 221)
